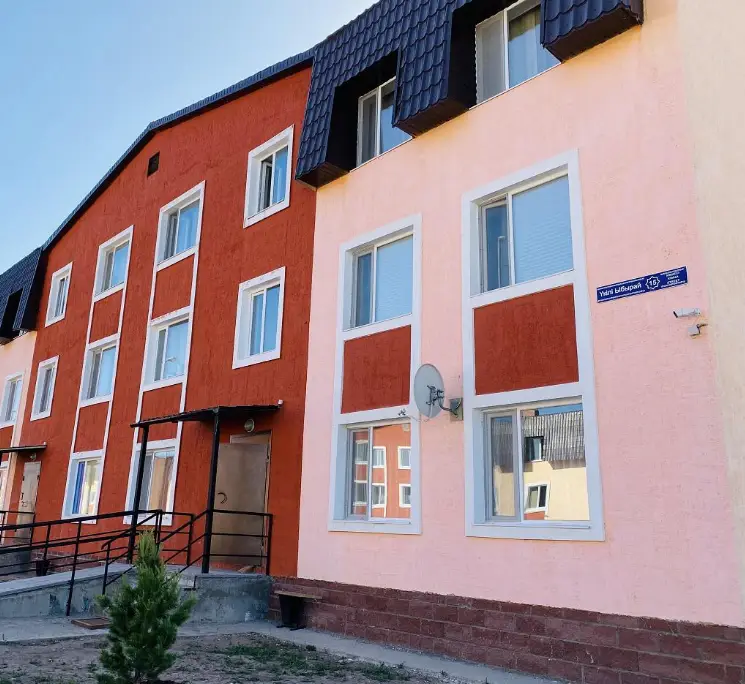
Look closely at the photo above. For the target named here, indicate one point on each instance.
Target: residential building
(489, 176)
(18, 295)
(176, 296)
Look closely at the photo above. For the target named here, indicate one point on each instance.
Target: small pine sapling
(145, 619)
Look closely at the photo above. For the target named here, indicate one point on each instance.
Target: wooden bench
(292, 608)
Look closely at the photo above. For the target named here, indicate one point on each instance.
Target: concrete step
(222, 597)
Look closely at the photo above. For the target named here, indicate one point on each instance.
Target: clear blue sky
(80, 79)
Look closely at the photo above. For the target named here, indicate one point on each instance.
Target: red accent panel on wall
(106, 316)
(6, 437)
(526, 342)
(377, 371)
(173, 287)
(91, 427)
(161, 402)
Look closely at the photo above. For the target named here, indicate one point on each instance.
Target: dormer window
(509, 50)
(376, 132)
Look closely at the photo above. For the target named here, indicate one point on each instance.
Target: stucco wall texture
(669, 549)
(15, 357)
(212, 147)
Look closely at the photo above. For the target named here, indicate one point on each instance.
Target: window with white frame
(58, 294)
(11, 399)
(167, 353)
(269, 178)
(259, 319)
(404, 457)
(83, 484)
(383, 281)
(112, 265)
(509, 50)
(179, 229)
(375, 130)
(44, 392)
(366, 485)
(526, 234)
(157, 478)
(404, 496)
(3, 486)
(511, 466)
(98, 377)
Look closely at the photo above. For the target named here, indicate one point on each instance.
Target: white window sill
(374, 328)
(256, 358)
(176, 258)
(40, 416)
(7, 424)
(72, 518)
(580, 531)
(369, 526)
(169, 382)
(108, 293)
(52, 321)
(95, 400)
(266, 213)
(361, 165)
(167, 520)
(514, 87)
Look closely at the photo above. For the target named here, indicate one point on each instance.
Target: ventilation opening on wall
(153, 163)
(7, 333)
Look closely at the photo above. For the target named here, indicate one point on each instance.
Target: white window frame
(534, 485)
(378, 94)
(385, 457)
(400, 451)
(244, 319)
(385, 495)
(401, 488)
(13, 378)
(251, 213)
(53, 363)
(504, 16)
(109, 247)
(157, 445)
(163, 323)
(475, 407)
(337, 515)
(4, 477)
(76, 458)
(189, 197)
(349, 267)
(57, 276)
(111, 342)
(479, 286)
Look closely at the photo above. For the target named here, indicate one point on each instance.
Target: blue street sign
(647, 283)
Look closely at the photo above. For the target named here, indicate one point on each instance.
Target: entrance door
(240, 486)
(27, 502)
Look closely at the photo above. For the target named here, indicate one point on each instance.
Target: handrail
(65, 543)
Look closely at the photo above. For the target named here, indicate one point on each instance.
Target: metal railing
(237, 539)
(5, 516)
(246, 538)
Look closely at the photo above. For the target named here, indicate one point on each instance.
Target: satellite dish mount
(429, 394)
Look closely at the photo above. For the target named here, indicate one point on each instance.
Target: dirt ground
(204, 660)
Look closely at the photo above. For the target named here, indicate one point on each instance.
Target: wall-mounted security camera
(686, 313)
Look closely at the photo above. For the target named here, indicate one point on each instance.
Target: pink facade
(662, 539)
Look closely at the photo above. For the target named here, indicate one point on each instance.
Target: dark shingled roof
(20, 277)
(572, 26)
(432, 53)
(261, 78)
(418, 30)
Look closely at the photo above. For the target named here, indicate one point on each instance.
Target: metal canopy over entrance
(215, 415)
(22, 449)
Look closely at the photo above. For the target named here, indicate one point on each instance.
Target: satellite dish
(429, 390)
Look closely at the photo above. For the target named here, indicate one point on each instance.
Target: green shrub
(145, 618)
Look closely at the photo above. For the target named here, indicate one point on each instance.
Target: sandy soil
(204, 660)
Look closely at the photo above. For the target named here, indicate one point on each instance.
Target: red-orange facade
(210, 148)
